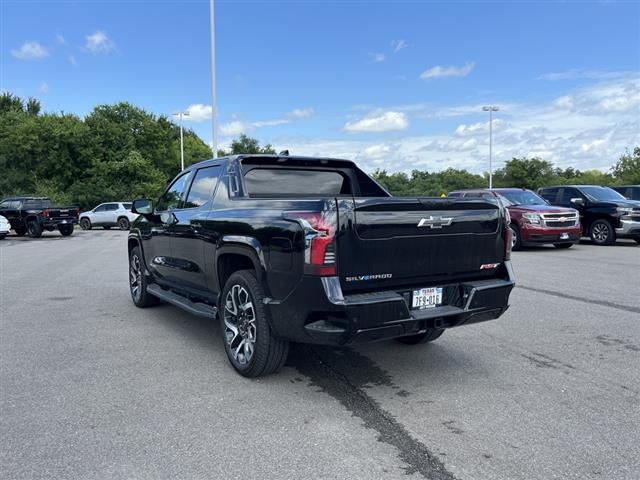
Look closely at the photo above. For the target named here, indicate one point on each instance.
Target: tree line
(122, 152)
(530, 173)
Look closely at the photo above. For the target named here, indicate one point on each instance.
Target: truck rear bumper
(317, 312)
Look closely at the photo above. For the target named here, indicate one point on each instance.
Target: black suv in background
(632, 192)
(605, 214)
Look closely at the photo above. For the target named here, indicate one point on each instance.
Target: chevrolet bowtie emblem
(435, 222)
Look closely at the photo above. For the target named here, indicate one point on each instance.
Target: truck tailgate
(394, 242)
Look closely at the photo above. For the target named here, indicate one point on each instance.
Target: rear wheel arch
(233, 259)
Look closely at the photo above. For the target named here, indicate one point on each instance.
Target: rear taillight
(508, 235)
(45, 213)
(319, 240)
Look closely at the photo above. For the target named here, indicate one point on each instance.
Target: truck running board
(195, 308)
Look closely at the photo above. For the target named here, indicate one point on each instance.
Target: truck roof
(279, 160)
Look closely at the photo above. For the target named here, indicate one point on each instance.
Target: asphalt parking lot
(93, 388)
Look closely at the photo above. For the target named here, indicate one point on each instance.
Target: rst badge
(435, 222)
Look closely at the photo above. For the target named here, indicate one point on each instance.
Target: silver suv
(107, 215)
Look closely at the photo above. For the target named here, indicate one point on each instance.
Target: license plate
(427, 298)
(63, 221)
(564, 236)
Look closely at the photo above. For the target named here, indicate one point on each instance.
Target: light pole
(212, 26)
(181, 114)
(490, 109)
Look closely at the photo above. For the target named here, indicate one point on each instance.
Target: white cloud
(99, 42)
(377, 57)
(440, 71)
(60, 39)
(269, 123)
(198, 112)
(587, 128)
(30, 51)
(44, 88)
(398, 45)
(72, 60)
(379, 122)
(301, 112)
(233, 129)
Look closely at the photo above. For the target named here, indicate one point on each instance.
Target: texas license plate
(427, 298)
(564, 236)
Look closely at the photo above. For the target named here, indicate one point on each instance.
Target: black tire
(65, 230)
(602, 233)
(123, 223)
(563, 245)
(85, 223)
(20, 231)
(267, 353)
(138, 278)
(516, 243)
(2, 235)
(429, 336)
(34, 229)
(106, 227)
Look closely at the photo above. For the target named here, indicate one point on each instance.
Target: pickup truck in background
(313, 250)
(33, 215)
(604, 213)
(533, 220)
(632, 192)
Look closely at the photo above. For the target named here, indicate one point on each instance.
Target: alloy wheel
(600, 232)
(135, 277)
(240, 324)
(514, 237)
(123, 224)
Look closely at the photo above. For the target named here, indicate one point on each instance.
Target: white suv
(107, 215)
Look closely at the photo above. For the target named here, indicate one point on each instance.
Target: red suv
(533, 220)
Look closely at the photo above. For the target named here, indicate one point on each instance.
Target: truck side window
(170, 200)
(569, 193)
(202, 187)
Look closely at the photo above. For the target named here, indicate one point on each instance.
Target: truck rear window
(273, 182)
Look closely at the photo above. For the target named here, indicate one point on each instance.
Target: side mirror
(142, 206)
(577, 201)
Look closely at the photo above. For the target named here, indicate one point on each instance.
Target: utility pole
(181, 114)
(212, 26)
(490, 109)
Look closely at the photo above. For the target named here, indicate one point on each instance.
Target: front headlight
(624, 210)
(532, 218)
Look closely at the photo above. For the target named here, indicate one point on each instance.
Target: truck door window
(202, 187)
(568, 194)
(273, 182)
(170, 200)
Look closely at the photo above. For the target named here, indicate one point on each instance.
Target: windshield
(599, 194)
(523, 197)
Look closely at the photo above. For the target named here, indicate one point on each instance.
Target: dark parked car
(533, 220)
(632, 192)
(313, 250)
(604, 213)
(33, 215)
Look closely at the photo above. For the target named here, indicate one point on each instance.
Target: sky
(392, 85)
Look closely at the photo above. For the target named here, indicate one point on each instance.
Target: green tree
(530, 173)
(245, 144)
(626, 171)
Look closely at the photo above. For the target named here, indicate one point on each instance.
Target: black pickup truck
(313, 250)
(33, 215)
(604, 213)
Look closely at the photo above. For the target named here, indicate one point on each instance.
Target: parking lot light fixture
(490, 109)
(181, 114)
